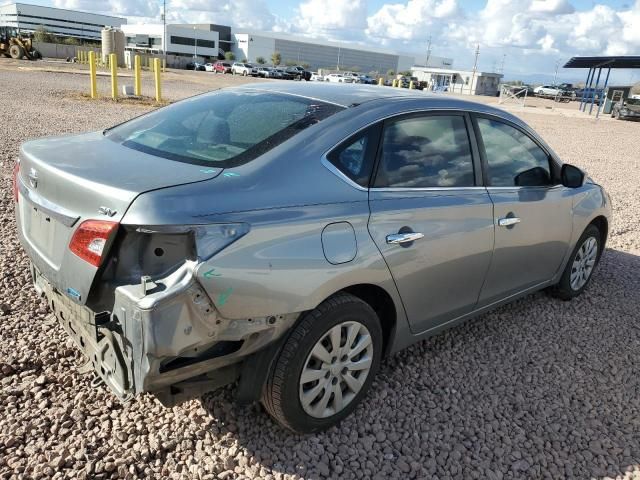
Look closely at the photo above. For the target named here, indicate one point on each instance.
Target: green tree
(70, 41)
(405, 73)
(244, 60)
(43, 35)
(290, 63)
(391, 73)
(355, 69)
(229, 56)
(306, 66)
(276, 58)
(261, 60)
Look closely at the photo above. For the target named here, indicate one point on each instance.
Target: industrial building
(173, 39)
(61, 22)
(318, 53)
(458, 81)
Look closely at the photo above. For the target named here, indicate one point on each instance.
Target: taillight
(16, 172)
(90, 238)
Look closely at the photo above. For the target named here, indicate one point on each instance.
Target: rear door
(532, 210)
(430, 216)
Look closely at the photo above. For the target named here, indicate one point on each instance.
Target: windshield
(221, 129)
(633, 101)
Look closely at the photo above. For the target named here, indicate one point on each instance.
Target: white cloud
(328, 16)
(415, 20)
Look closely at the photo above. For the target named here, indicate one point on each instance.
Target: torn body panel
(162, 332)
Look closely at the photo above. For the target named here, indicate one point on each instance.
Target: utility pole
(504, 56)
(475, 66)
(164, 28)
(428, 52)
(338, 65)
(555, 76)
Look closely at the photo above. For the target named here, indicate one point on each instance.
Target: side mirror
(572, 177)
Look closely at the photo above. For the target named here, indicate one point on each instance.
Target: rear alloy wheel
(579, 269)
(326, 365)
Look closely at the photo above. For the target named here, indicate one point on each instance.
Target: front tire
(579, 270)
(326, 365)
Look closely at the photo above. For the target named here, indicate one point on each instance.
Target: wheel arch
(382, 303)
(602, 224)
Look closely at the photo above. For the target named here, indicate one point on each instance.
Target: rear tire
(581, 265)
(16, 52)
(326, 365)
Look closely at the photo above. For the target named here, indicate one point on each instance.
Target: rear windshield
(221, 129)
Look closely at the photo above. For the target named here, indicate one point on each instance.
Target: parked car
(588, 94)
(628, 109)
(209, 67)
(548, 91)
(299, 73)
(316, 77)
(244, 69)
(366, 80)
(355, 78)
(222, 67)
(196, 66)
(171, 279)
(267, 72)
(337, 78)
(283, 74)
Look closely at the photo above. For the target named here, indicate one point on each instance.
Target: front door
(532, 211)
(430, 218)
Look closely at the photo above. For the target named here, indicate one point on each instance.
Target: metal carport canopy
(605, 62)
(598, 63)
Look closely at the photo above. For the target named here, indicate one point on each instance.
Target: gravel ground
(538, 389)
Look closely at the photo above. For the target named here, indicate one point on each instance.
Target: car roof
(356, 94)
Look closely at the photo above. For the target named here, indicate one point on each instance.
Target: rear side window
(221, 129)
(513, 159)
(425, 151)
(355, 157)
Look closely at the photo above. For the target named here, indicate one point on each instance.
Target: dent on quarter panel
(339, 242)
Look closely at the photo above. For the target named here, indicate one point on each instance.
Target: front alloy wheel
(581, 264)
(325, 366)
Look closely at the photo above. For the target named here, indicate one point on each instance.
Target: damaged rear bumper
(163, 336)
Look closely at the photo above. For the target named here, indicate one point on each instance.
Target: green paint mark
(224, 296)
(231, 174)
(211, 273)
(207, 170)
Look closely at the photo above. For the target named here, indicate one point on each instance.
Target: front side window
(221, 129)
(513, 159)
(425, 151)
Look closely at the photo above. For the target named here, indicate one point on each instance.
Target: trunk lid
(66, 180)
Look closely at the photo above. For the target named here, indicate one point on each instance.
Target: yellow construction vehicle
(15, 45)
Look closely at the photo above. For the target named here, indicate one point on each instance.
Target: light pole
(195, 43)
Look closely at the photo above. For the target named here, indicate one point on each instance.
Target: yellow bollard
(92, 74)
(411, 85)
(136, 73)
(394, 83)
(113, 63)
(380, 82)
(164, 64)
(158, 76)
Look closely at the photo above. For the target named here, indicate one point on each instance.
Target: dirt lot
(538, 389)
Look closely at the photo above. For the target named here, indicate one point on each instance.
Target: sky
(531, 37)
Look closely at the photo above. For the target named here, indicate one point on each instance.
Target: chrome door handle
(508, 221)
(404, 237)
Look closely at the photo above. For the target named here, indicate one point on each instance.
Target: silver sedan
(289, 237)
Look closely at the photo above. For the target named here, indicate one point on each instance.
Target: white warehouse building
(180, 40)
(458, 81)
(318, 53)
(61, 22)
